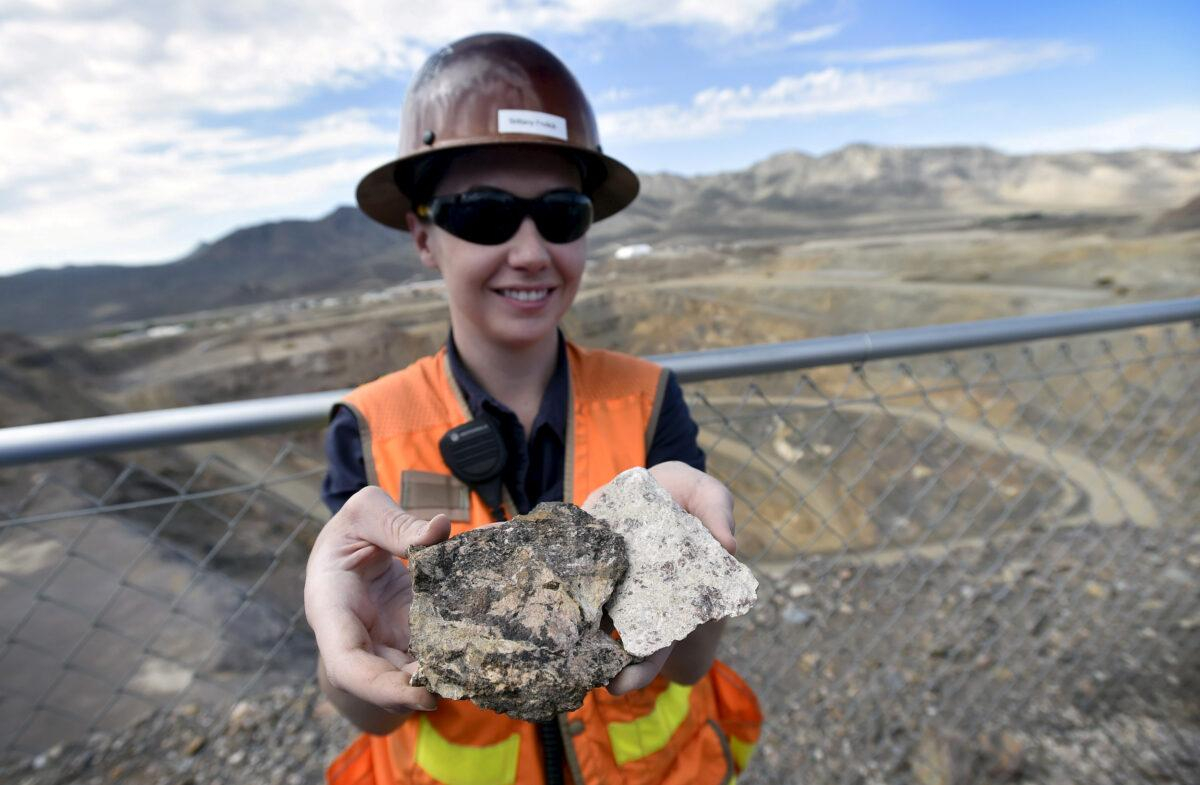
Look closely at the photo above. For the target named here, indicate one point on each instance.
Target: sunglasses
(489, 216)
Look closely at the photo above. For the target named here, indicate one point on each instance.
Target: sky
(132, 131)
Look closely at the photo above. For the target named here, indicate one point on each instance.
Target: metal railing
(978, 551)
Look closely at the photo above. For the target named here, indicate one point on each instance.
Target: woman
(499, 178)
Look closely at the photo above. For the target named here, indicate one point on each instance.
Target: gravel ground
(282, 737)
(1051, 657)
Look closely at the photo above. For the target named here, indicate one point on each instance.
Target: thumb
(398, 531)
(372, 516)
(638, 675)
(435, 530)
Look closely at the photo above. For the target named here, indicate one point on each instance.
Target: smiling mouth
(526, 295)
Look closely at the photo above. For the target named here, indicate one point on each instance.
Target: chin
(520, 336)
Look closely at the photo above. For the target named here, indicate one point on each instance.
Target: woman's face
(511, 295)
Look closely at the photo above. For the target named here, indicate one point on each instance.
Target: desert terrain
(876, 505)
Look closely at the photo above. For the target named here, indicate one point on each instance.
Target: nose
(527, 248)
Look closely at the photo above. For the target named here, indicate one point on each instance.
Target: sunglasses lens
(482, 217)
(493, 217)
(562, 216)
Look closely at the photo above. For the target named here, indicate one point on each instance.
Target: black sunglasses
(489, 216)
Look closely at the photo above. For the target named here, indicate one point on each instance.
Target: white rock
(679, 575)
(797, 590)
(794, 614)
(632, 251)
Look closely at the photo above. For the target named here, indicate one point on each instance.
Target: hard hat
(493, 90)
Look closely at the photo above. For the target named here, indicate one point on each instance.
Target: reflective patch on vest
(465, 764)
(647, 735)
(742, 750)
(425, 494)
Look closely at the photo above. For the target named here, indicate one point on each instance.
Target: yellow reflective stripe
(742, 750)
(464, 764)
(647, 735)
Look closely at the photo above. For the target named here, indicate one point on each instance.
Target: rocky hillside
(1181, 218)
(794, 193)
(342, 251)
(39, 384)
(785, 196)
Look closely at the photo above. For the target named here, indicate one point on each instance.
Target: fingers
(703, 495)
(372, 516)
(636, 676)
(349, 574)
(424, 699)
(397, 657)
(377, 681)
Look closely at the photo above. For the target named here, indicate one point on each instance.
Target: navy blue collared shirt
(534, 472)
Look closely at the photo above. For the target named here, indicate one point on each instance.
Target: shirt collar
(551, 412)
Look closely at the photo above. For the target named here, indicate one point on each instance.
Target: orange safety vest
(666, 733)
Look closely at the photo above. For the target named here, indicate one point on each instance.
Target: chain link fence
(975, 566)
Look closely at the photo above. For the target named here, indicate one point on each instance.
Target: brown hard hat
(494, 90)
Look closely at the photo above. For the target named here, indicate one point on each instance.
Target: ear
(422, 238)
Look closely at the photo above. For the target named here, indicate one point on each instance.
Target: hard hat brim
(381, 199)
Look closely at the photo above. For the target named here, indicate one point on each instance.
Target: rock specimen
(679, 575)
(509, 615)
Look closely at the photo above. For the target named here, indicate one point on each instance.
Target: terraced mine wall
(976, 565)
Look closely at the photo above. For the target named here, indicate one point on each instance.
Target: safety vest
(666, 733)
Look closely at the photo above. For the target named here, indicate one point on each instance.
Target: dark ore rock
(509, 615)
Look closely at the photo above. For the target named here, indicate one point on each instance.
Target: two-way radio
(475, 453)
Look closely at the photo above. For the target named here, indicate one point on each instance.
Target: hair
(418, 181)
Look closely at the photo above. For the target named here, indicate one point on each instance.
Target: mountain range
(787, 196)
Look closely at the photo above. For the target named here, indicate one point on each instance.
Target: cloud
(1171, 127)
(130, 129)
(837, 90)
(949, 62)
(618, 95)
(743, 16)
(718, 110)
(139, 197)
(813, 34)
(946, 50)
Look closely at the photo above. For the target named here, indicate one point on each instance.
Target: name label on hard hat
(526, 121)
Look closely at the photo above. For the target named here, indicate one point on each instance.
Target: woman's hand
(357, 596)
(686, 661)
(702, 495)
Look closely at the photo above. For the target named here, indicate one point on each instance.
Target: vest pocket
(425, 494)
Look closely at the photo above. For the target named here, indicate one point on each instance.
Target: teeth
(526, 295)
